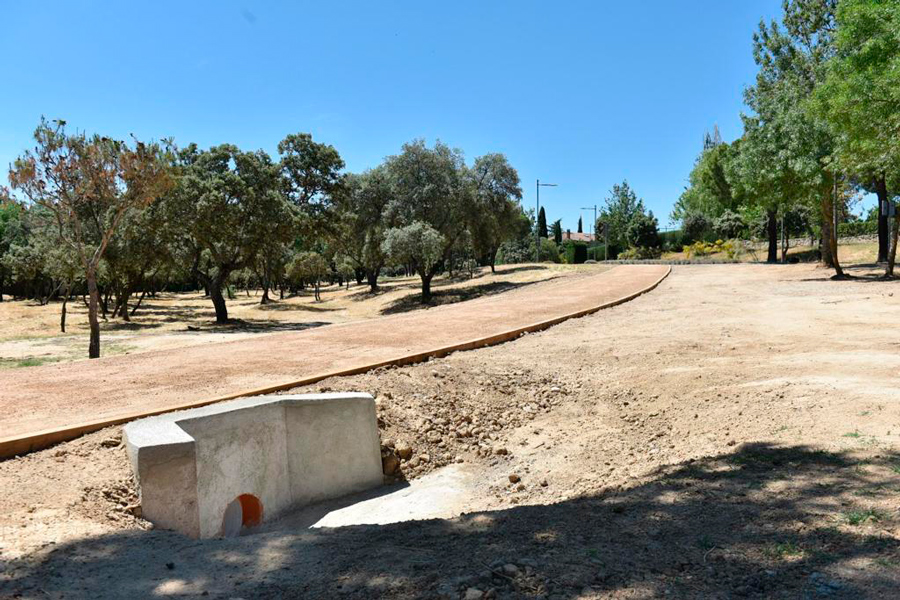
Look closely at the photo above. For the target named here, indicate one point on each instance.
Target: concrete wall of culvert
(252, 459)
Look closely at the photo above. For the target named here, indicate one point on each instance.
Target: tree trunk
(104, 303)
(883, 242)
(372, 279)
(772, 234)
(493, 259)
(426, 286)
(892, 257)
(829, 232)
(316, 292)
(62, 316)
(218, 300)
(824, 246)
(138, 305)
(265, 296)
(93, 306)
(123, 310)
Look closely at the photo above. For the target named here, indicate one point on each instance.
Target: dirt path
(41, 398)
(29, 332)
(735, 434)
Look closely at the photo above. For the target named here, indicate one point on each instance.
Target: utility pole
(594, 226)
(605, 227)
(537, 211)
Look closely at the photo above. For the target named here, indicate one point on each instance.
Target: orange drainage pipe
(23, 444)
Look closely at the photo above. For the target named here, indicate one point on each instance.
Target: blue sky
(582, 94)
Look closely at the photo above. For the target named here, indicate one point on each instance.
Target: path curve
(44, 405)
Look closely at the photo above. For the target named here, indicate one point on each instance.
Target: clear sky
(582, 94)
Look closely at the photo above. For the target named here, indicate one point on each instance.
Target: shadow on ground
(440, 297)
(414, 283)
(260, 325)
(861, 272)
(761, 522)
(281, 306)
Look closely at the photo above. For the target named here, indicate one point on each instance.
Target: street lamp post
(594, 226)
(537, 212)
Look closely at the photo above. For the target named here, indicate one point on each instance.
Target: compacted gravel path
(42, 398)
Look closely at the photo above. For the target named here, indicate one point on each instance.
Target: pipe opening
(242, 513)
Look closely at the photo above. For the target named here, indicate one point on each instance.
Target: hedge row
(575, 252)
(857, 228)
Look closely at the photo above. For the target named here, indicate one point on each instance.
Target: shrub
(699, 249)
(857, 228)
(549, 251)
(637, 253)
(671, 240)
(695, 227)
(730, 225)
(597, 252)
(575, 252)
(643, 231)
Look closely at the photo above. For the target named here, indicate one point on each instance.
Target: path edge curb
(19, 445)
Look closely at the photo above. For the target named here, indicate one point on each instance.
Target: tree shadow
(508, 270)
(460, 277)
(279, 306)
(760, 522)
(367, 293)
(440, 297)
(259, 325)
(859, 273)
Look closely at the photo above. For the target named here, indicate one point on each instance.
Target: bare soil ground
(30, 334)
(733, 434)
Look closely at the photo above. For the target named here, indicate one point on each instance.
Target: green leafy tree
(542, 224)
(519, 248)
(230, 204)
(418, 245)
(495, 211)
(136, 253)
(10, 218)
(312, 172)
(360, 223)
(557, 231)
(88, 184)
(620, 209)
(643, 231)
(695, 226)
(580, 226)
(308, 268)
(431, 186)
(730, 225)
(860, 99)
(784, 151)
(709, 191)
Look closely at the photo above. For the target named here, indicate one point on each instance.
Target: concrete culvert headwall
(218, 470)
